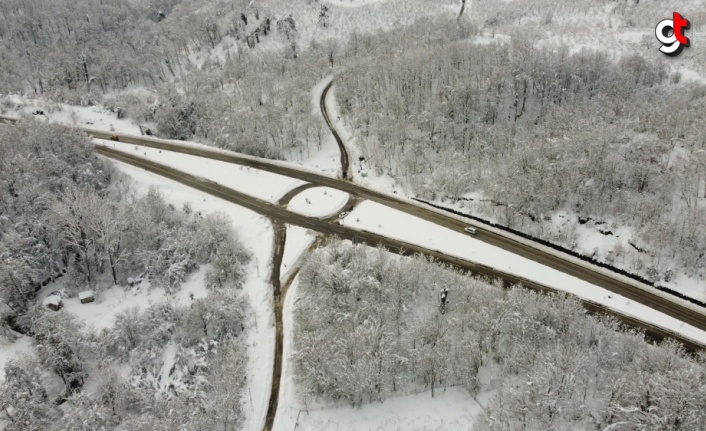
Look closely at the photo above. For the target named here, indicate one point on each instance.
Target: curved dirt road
(284, 200)
(345, 164)
(278, 302)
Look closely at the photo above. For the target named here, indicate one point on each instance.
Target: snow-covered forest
(529, 124)
(548, 117)
(185, 70)
(537, 132)
(370, 325)
(70, 221)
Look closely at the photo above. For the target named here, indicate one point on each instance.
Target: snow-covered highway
(655, 322)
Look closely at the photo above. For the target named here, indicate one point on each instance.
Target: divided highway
(644, 294)
(281, 215)
(632, 290)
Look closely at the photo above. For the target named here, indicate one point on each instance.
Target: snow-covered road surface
(318, 202)
(254, 182)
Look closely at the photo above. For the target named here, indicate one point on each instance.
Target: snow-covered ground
(96, 117)
(345, 17)
(487, 39)
(318, 202)
(299, 239)
(326, 158)
(689, 286)
(260, 184)
(453, 409)
(11, 350)
(110, 302)
(386, 221)
(352, 3)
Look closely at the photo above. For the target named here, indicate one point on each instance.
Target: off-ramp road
(332, 228)
(615, 283)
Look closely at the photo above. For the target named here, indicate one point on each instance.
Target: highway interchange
(329, 227)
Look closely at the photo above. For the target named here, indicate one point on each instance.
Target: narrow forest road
(275, 212)
(278, 302)
(345, 164)
(460, 13)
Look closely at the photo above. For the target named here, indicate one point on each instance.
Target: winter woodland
(515, 111)
(370, 325)
(537, 132)
(71, 217)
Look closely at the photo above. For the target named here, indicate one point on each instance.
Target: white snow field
(96, 117)
(352, 3)
(260, 184)
(10, 350)
(452, 409)
(386, 221)
(108, 303)
(318, 202)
